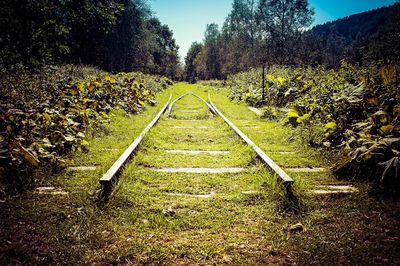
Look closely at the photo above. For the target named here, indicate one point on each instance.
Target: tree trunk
(253, 52)
(263, 81)
(282, 40)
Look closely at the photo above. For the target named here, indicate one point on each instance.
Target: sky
(188, 18)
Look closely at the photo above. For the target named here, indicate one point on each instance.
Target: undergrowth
(353, 111)
(47, 113)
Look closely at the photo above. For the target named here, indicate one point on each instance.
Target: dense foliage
(253, 31)
(47, 113)
(190, 62)
(352, 109)
(365, 37)
(115, 35)
(261, 33)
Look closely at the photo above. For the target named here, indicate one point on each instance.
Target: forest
(274, 141)
(258, 34)
(112, 35)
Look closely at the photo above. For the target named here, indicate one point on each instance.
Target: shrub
(45, 114)
(347, 109)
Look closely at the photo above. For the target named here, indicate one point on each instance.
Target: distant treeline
(266, 32)
(115, 35)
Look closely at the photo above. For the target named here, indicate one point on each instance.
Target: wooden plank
(282, 152)
(51, 191)
(201, 170)
(197, 152)
(116, 168)
(191, 127)
(189, 111)
(287, 180)
(256, 111)
(82, 168)
(204, 196)
(306, 169)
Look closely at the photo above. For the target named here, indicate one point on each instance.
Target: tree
(124, 44)
(55, 31)
(283, 22)
(90, 23)
(354, 38)
(190, 62)
(208, 61)
(240, 37)
(116, 35)
(163, 59)
(384, 45)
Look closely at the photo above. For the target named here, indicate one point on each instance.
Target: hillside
(356, 26)
(355, 37)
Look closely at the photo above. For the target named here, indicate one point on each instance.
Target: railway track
(110, 178)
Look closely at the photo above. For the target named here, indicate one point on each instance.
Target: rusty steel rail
(213, 112)
(172, 103)
(284, 177)
(110, 177)
(195, 95)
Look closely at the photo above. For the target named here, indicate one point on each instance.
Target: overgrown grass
(198, 219)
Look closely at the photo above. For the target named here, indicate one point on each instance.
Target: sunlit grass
(161, 218)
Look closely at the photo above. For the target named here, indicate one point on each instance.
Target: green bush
(346, 109)
(45, 114)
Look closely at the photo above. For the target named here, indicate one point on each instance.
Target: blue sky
(188, 18)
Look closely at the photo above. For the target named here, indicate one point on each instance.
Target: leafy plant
(45, 116)
(348, 109)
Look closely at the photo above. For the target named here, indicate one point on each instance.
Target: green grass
(190, 107)
(161, 218)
